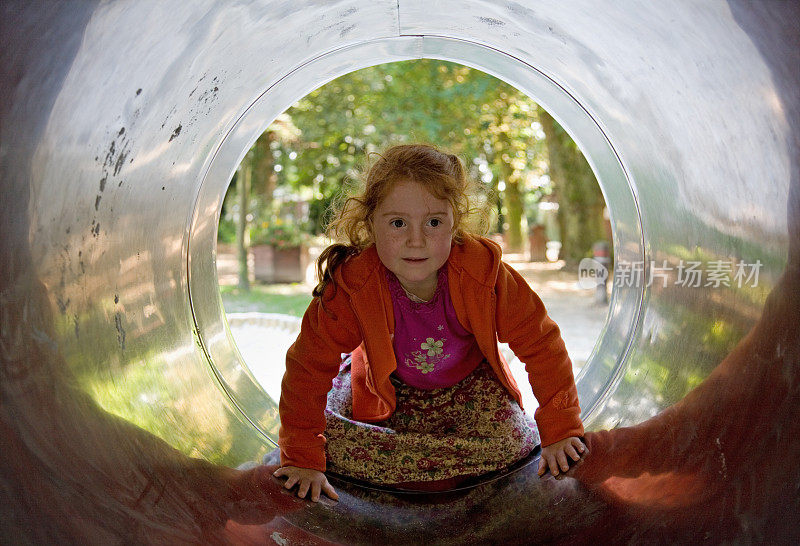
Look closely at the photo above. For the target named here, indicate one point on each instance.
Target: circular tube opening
(606, 364)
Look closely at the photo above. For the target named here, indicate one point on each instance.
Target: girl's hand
(555, 455)
(308, 479)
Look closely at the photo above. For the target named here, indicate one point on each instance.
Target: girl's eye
(397, 223)
(434, 222)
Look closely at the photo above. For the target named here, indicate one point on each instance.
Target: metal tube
(122, 122)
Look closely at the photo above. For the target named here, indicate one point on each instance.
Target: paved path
(263, 339)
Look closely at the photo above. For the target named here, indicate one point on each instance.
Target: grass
(286, 299)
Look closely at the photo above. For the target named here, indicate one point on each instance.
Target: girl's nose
(415, 237)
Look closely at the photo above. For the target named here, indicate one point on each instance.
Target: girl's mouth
(414, 260)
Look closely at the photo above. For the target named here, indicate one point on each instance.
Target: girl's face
(413, 231)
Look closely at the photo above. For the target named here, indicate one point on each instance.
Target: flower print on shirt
(434, 347)
(430, 354)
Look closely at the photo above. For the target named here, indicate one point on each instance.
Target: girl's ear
(370, 229)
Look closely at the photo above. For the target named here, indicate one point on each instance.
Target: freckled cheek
(442, 246)
(388, 246)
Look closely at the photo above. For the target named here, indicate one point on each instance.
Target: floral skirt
(441, 435)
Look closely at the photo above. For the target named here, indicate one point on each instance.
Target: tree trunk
(581, 203)
(241, 226)
(512, 197)
(263, 178)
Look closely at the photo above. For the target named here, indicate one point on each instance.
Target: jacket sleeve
(522, 322)
(312, 363)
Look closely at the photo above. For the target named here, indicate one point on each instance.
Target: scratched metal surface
(124, 400)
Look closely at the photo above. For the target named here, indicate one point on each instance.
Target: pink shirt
(432, 349)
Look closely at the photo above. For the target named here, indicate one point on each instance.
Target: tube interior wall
(122, 122)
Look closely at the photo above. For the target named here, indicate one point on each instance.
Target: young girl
(424, 398)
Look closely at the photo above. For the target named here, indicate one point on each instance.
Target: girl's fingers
(304, 485)
(557, 457)
(291, 482)
(562, 461)
(572, 453)
(317, 485)
(328, 489)
(315, 488)
(551, 462)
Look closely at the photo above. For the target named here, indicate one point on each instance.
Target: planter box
(276, 265)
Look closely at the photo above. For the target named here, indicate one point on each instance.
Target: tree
(254, 183)
(484, 120)
(581, 203)
(255, 172)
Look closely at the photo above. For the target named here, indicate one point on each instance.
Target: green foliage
(278, 233)
(227, 231)
(317, 213)
(317, 146)
(486, 121)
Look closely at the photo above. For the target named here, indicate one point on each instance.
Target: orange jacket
(491, 300)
